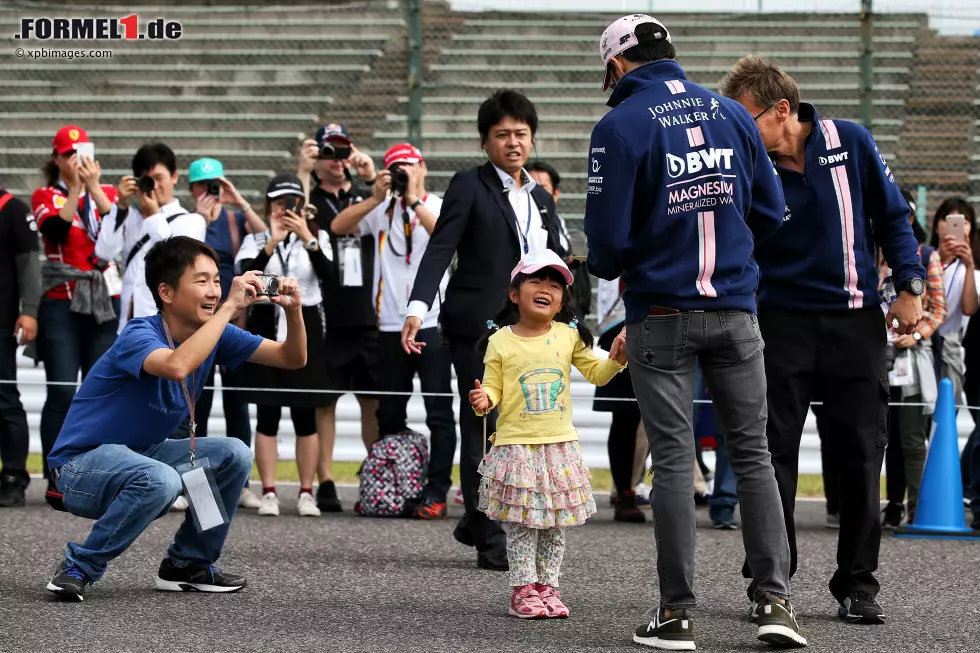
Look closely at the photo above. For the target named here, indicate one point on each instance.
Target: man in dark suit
(491, 216)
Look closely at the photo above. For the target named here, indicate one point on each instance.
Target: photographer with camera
(394, 219)
(292, 246)
(76, 316)
(325, 165)
(213, 193)
(158, 215)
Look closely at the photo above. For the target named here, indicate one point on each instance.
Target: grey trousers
(662, 350)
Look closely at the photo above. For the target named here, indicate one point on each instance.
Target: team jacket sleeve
(889, 213)
(768, 206)
(450, 227)
(609, 202)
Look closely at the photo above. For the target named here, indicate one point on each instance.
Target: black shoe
(462, 533)
(11, 491)
(674, 634)
(861, 608)
(975, 524)
(892, 516)
(201, 578)
(326, 498)
(69, 583)
(777, 623)
(494, 559)
(627, 510)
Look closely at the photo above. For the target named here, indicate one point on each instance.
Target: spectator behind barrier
(114, 461)
(290, 246)
(81, 286)
(393, 215)
(157, 216)
(325, 165)
(19, 296)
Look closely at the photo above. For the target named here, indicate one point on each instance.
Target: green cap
(204, 169)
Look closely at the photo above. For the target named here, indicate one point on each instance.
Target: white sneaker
(180, 505)
(306, 506)
(269, 505)
(248, 500)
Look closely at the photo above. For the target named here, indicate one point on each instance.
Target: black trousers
(622, 444)
(828, 463)
(397, 369)
(468, 363)
(14, 434)
(840, 358)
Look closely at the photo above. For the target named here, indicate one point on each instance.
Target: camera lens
(146, 184)
(272, 286)
(327, 151)
(399, 179)
(214, 187)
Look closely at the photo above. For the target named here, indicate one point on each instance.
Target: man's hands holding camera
(249, 289)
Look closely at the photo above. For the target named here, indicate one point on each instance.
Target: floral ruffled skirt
(536, 485)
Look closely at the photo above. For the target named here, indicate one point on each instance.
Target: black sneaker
(975, 524)
(861, 608)
(674, 634)
(892, 516)
(326, 498)
(69, 583)
(12, 491)
(201, 578)
(777, 623)
(626, 509)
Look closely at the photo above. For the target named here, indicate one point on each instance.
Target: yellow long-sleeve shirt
(529, 381)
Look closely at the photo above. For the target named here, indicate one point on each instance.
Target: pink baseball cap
(535, 261)
(621, 36)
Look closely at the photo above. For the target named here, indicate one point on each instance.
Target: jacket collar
(645, 76)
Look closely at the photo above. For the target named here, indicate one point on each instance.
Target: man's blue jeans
(125, 490)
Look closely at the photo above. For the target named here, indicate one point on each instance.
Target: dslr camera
(399, 179)
(330, 151)
(270, 285)
(146, 184)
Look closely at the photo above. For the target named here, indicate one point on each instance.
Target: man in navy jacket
(680, 190)
(820, 310)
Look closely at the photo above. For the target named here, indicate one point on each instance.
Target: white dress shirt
(531, 231)
(118, 243)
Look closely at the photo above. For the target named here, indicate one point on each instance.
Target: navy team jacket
(845, 202)
(680, 191)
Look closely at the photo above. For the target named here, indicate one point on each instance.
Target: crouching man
(113, 461)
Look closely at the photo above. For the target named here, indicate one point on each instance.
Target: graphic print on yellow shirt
(528, 381)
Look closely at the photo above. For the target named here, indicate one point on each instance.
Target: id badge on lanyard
(350, 262)
(197, 476)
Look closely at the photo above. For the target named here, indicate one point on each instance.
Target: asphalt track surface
(346, 583)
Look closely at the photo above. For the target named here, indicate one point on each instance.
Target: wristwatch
(311, 245)
(915, 285)
(917, 336)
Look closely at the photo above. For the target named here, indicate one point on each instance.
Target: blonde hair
(763, 81)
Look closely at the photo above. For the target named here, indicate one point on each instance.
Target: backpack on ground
(392, 476)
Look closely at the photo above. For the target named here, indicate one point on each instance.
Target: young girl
(534, 479)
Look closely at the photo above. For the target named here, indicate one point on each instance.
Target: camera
(331, 151)
(399, 179)
(214, 187)
(146, 184)
(270, 285)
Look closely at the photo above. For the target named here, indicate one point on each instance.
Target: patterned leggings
(534, 554)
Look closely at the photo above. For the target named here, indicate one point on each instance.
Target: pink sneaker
(526, 604)
(552, 601)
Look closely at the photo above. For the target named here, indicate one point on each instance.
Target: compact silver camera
(270, 285)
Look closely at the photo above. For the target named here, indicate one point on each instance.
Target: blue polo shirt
(119, 403)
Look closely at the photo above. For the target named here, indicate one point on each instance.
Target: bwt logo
(709, 159)
(833, 158)
(97, 29)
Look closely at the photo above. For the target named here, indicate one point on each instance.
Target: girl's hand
(297, 225)
(618, 350)
(277, 230)
(479, 399)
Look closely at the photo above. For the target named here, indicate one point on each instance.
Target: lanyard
(289, 249)
(409, 226)
(952, 280)
(183, 387)
(527, 230)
